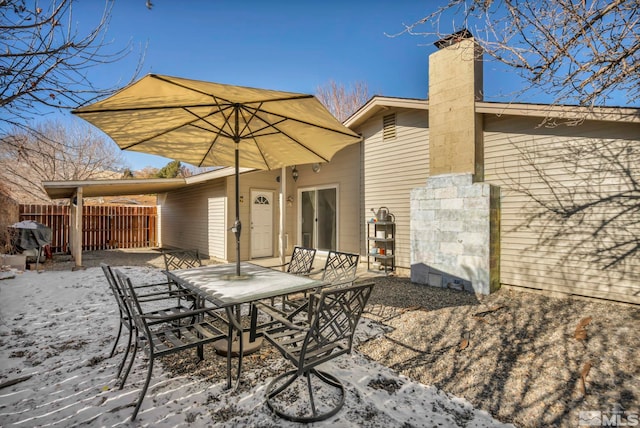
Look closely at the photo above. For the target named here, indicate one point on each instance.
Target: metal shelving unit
(381, 246)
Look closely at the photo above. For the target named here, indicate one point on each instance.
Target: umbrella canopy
(200, 123)
(212, 124)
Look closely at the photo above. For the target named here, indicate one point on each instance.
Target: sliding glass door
(318, 218)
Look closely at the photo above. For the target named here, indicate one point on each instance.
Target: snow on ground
(57, 328)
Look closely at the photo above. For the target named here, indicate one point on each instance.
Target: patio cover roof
(91, 188)
(121, 187)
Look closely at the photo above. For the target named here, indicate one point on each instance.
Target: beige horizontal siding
(185, 216)
(341, 172)
(391, 169)
(217, 202)
(542, 252)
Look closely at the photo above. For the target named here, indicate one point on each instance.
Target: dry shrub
(9, 214)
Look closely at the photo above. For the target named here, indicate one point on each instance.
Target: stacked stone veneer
(455, 234)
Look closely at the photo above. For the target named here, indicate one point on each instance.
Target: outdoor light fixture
(294, 173)
(315, 167)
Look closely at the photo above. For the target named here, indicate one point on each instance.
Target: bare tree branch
(44, 59)
(341, 101)
(577, 52)
(54, 152)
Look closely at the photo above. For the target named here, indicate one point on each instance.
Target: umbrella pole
(237, 224)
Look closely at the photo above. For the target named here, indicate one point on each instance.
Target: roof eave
(378, 103)
(606, 114)
(117, 187)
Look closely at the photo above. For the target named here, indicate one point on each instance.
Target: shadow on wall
(422, 273)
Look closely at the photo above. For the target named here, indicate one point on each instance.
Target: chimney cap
(454, 38)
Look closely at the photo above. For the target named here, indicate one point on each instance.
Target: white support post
(283, 214)
(75, 230)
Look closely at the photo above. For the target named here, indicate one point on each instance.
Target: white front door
(261, 223)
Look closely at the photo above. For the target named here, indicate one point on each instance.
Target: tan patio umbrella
(212, 124)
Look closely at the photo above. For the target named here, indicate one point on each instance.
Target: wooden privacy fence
(103, 227)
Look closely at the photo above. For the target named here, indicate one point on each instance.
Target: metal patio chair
(160, 335)
(181, 259)
(125, 316)
(329, 334)
(340, 270)
(301, 263)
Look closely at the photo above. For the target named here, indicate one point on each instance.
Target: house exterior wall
(263, 180)
(580, 166)
(536, 250)
(344, 172)
(217, 221)
(186, 220)
(391, 169)
(201, 215)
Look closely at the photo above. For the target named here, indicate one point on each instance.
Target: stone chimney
(455, 130)
(455, 218)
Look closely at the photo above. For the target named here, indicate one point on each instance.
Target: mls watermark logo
(590, 418)
(616, 418)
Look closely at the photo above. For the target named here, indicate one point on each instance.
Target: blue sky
(285, 45)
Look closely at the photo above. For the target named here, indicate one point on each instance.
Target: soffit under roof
(123, 187)
(606, 114)
(93, 188)
(378, 104)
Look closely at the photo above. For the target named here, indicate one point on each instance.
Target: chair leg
(133, 357)
(234, 323)
(324, 377)
(314, 412)
(200, 352)
(293, 375)
(144, 390)
(126, 353)
(113, 350)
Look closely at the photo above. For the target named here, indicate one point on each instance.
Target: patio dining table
(217, 284)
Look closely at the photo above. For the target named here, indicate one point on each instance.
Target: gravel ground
(523, 357)
(514, 354)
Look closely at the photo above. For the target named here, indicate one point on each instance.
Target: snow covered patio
(58, 328)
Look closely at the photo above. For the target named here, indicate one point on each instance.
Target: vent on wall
(389, 127)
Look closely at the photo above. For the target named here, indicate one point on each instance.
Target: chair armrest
(314, 272)
(156, 284)
(165, 295)
(280, 267)
(181, 315)
(277, 266)
(341, 283)
(277, 315)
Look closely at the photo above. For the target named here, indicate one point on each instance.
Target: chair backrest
(131, 300)
(301, 260)
(334, 320)
(340, 267)
(181, 259)
(115, 289)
